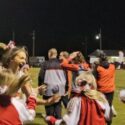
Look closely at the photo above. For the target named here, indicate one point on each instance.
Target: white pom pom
(122, 95)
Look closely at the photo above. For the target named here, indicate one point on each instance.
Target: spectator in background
(105, 76)
(52, 74)
(77, 64)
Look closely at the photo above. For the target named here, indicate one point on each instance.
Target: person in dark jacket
(53, 75)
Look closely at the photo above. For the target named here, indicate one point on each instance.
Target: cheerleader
(13, 111)
(87, 106)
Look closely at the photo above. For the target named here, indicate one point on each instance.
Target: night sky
(65, 24)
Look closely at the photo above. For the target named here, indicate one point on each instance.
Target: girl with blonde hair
(12, 109)
(87, 106)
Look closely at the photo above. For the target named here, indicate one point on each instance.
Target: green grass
(119, 106)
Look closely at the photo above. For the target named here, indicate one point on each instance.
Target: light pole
(99, 37)
(33, 37)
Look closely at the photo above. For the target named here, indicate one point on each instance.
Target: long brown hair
(79, 58)
(9, 54)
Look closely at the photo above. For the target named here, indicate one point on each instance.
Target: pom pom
(122, 95)
(55, 89)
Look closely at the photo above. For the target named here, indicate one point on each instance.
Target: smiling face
(19, 59)
(15, 58)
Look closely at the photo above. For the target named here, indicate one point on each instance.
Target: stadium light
(99, 37)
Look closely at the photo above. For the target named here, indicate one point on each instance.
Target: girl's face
(20, 59)
(84, 84)
(61, 56)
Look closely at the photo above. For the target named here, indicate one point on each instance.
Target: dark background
(64, 24)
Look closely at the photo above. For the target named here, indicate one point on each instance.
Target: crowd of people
(85, 90)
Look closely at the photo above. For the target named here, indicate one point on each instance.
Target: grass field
(119, 106)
